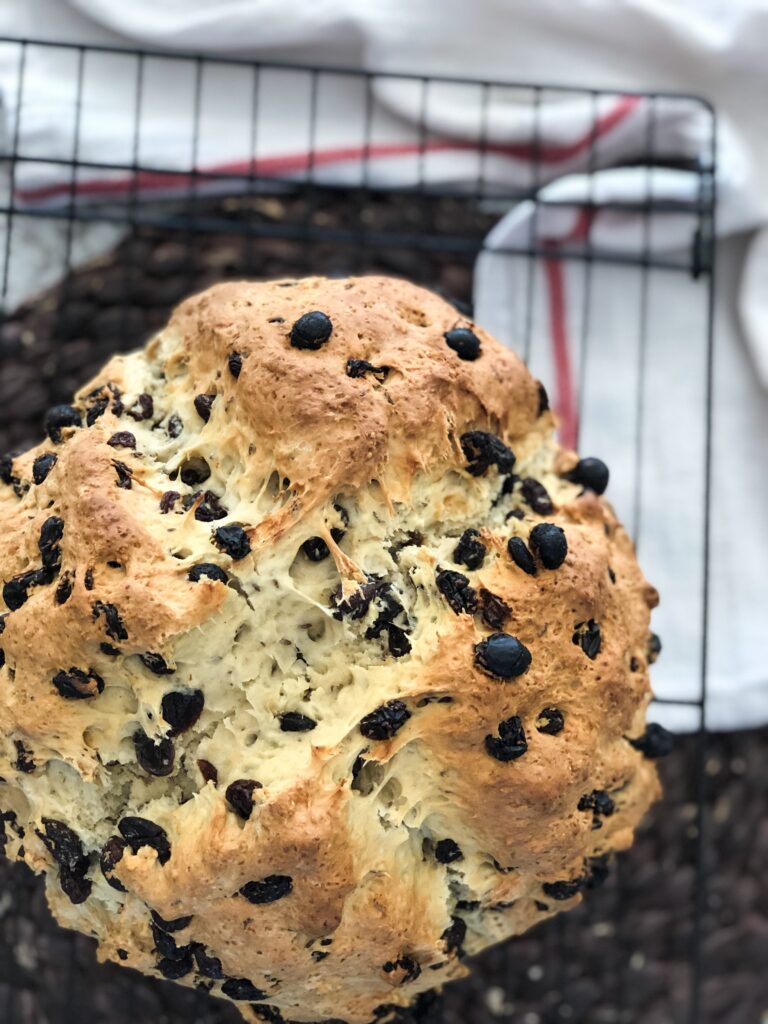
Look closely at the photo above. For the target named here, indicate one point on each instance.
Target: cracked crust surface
(349, 495)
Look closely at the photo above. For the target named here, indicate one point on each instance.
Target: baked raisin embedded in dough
(322, 666)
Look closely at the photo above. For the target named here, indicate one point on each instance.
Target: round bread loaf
(323, 666)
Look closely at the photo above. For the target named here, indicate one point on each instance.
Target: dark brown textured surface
(623, 956)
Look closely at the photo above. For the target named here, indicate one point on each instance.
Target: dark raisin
(543, 398)
(124, 474)
(77, 684)
(387, 603)
(210, 509)
(110, 649)
(483, 450)
(64, 589)
(165, 944)
(208, 966)
(242, 990)
(359, 368)
(655, 742)
(511, 742)
(115, 626)
(447, 851)
(311, 331)
(277, 319)
(168, 500)
(398, 643)
(411, 539)
(143, 408)
(177, 924)
(356, 605)
(6, 470)
(209, 571)
(502, 655)
(542, 907)
(411, 967)
(194, 470)
(493, 611)
(51, 533)
(138, 832)
(112, 852)
(235, 363)
(315, 549)
(535, 495)
(564, 890)
(88, 579)
(455, 588)
(60, 417)
(2, 657)
(181, 709)
(122, 439)
(65, 847)
(591, 473)
(15, 590)
(611, 575)
(208, 771)
(634, 664)
(550, 721)
(516, 513)
(123, 954)
(239, 796)
(294, 721)
(654, 647)
(598, 801)
(96, 410)
(203, 405)
(269, 889)
(318, 955)
(157, 664)
(43, 465)
(549, 543)
(62, 843)
(175, 425)
(154, 758)
(173, 969)
(465, 343)
(587, 636)
(470, 550)
(24, 760)
(75, 885)
(385, 721)
(271, 1014)
(233, 541)
(358, 765)
(454, 935)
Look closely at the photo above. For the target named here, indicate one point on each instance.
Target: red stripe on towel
(565, 403)
(292, 163)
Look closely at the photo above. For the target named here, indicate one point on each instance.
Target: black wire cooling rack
(635, 952)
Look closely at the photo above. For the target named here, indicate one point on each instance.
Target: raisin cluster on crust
(321, 665)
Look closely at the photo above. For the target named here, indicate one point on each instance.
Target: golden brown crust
(335, 861)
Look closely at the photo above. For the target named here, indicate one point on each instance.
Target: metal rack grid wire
(169, 227)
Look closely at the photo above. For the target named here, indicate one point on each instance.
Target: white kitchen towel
(624, 354)
(213, 122)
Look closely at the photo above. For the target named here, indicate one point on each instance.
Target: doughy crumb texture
(322, 666)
